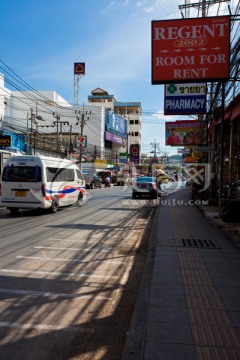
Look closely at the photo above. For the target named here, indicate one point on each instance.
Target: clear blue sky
(41, 40)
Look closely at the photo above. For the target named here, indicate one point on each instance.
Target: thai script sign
(188, 50)
(183, 99)
(5, 141)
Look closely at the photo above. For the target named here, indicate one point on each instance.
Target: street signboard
(203, 148)
(81, 141)
(182, 99)
(191, 50)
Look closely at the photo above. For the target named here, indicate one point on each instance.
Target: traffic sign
(81, 141)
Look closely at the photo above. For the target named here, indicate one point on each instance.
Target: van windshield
(22, 174)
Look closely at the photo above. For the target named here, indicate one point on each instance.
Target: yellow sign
(197, 155)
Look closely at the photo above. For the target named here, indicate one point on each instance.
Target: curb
(134, 344)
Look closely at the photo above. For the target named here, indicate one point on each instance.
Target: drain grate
(197, 243)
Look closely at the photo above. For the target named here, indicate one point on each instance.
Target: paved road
(68, 281)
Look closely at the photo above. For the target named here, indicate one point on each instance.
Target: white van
(30, 182)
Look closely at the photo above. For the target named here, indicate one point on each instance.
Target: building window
(136, 121)
(136, 133)
(131, 122)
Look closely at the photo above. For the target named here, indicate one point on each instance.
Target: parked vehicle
(31, 182)
(92, 181)
(231, 191)
(145, 186)
(123, 179)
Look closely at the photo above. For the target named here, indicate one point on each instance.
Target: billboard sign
(190, 50)
(134, 153)
(17, 141)
(185, 132)
(79, 68)
(114, 138)
(184, 99)
(116, 124)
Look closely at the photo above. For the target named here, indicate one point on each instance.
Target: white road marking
(87, 241)
(69, 260)
(45, 327)
(51, 295)
(55, 273)
(70, 249)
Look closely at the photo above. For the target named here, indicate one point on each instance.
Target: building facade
(49, 123)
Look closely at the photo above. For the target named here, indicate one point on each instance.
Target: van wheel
(13, 210)
(80, 199)
(55, 205)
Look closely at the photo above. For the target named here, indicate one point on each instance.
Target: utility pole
(155, 146)
(57, 123)
(130, 133)
(82, 121)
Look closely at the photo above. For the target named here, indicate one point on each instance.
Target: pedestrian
(107, 181)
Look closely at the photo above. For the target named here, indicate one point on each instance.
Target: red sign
(188, 50)
(81, 139)
(79, 68)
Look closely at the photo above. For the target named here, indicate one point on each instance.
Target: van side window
(79, 175)
(59, 174)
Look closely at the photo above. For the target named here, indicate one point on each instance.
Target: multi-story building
(131, 111)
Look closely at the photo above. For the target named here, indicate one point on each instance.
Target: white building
(46, 119)
(131, 111)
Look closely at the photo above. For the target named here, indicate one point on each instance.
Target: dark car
(145, 186)
(92, 181)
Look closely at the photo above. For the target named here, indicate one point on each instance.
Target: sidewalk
(188, 305)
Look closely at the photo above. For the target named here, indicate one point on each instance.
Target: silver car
(145, 186)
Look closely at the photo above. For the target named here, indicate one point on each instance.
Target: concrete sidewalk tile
(210, 353)
(159, 351)
(235, 316)
(175, 289)
(169, 333)
(165, 263)
(231, 281)
(202, 302)
(173, 315)
(209, 317)
(217, 336)
(163, 271)
(231, 303)
(167, 300)
(228, 291)
(168, 280)
(196, 290)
